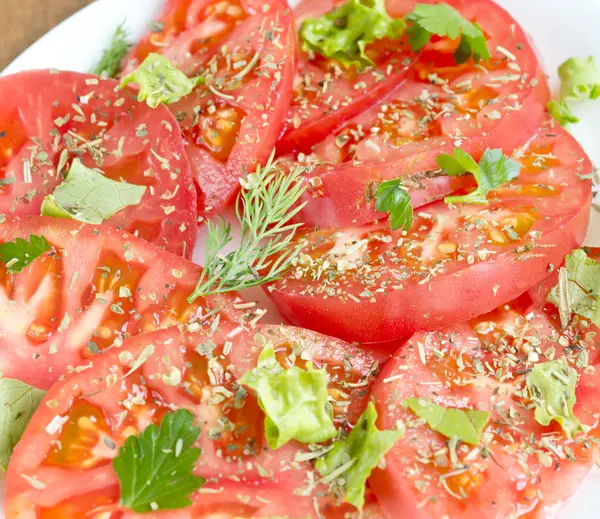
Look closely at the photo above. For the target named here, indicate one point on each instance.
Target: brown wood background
(24, 21)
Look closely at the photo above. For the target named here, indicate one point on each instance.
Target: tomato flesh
(94, 410)
(59, 116)
(403, 281)
(499, 103)
(520, 468)
(95, 287)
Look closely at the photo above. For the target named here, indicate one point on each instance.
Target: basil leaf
(18, 402)
(393, 198)
(19, 254)
(88, 196)
(581, 293)
(155, 468)
(580, 79)
(444, 20)
(464, 424)
(552, 389)
(344, 33)
(354, 458)
(160, 81)
(493, 170)
(294, 400)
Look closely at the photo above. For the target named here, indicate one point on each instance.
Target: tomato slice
(54, 117)
(520, 468)
(95, 287)
(327, 95)
(231, 123)
(102, 404)
(454, 263)
(499, 103)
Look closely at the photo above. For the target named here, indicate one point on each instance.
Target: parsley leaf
(393, 198)
(578, 290)
(19, 254)
(352, 460)
(160, 81)
(579, 79)
(444, 20)
(295, 401)
(552, 389)
(344, 33)
(18, 402)
(110, 63)
(155, 468)
(88, 196)
(464, 424)
(493, 170)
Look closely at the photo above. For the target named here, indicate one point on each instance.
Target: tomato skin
(330, 302)
(342, 189)
(67, 298)
(427, 367)
(265, 479)
(59, 111)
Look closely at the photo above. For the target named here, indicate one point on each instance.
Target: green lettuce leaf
(160, 81)
(464, 424)
(344, 33)
(294, 400)
(445, 21)
(18, 402)
(579, 80)
(88, 196)
(493, 170)
(580, 293)
(393, 198)
(552, 389)
(354, 458)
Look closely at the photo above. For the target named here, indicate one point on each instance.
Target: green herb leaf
(110, 63)
(155, 468)
(579, 80)
(579, 293)
(88, 196)
(552, 389)
(393, 198)
(493, 170)
(20, 253)
(344, 33)
(444, 20)
(295, 401)
(264, 209)
(354, 458)
(464, 424)
(160, 81)
(18, 402)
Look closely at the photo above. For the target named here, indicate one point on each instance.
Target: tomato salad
(395, 177)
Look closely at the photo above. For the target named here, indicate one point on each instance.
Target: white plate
(558, 29)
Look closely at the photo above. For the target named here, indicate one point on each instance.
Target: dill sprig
(265, 208)
(110, 63)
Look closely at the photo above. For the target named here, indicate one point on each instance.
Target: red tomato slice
(520, 468)
(327, 95)
(95, 287)
(500, 103)
(101, 404)
(231, 124)
(453, 264)
(56, 116)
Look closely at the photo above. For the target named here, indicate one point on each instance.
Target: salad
(407, 194)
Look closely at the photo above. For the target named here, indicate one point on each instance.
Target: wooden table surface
(24, 21)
